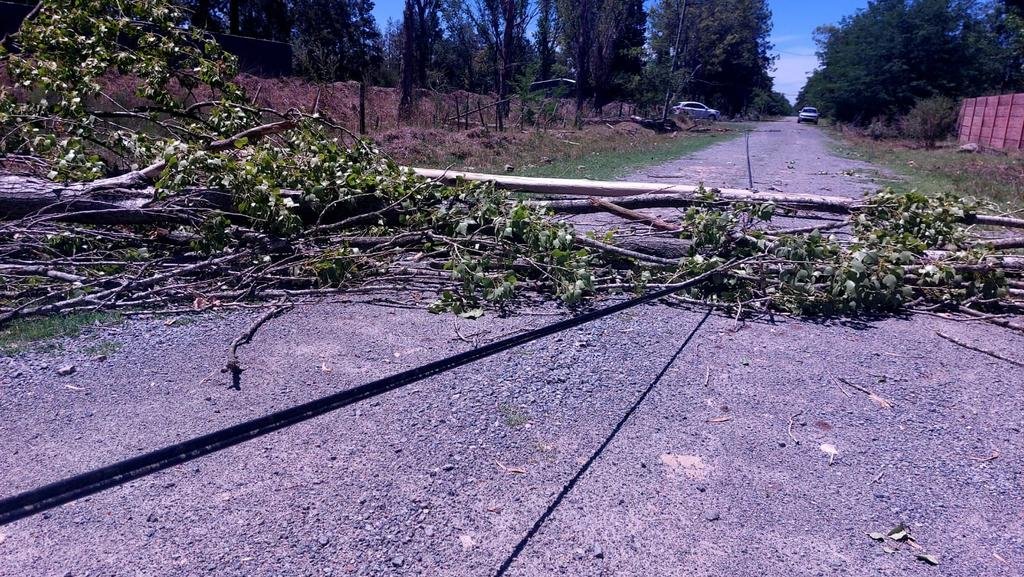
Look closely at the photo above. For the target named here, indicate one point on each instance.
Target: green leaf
(242, 142)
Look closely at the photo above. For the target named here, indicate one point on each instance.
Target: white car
(696, 111)
(808, 114)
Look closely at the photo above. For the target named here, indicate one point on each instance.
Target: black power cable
(586, 466)
(66, 490)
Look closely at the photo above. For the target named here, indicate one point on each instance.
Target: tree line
(717, 51)
(881, 62)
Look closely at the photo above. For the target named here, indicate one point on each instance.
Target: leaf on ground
(472, 314)
(888, 549)
(898, 533)
(829, 450)
(877, 536)
(928, 558)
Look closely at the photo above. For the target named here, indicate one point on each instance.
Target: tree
(720, 51)
(502, 26)
(880, 61)
(545, 37)
(578, 18)
(267, 19)
(336, 40)
(617, 60)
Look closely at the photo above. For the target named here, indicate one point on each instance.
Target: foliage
(772, 103)
(28, 334)
(880, 61)
(724, 52)
(335, 40)
(930, 120)
(307, 210)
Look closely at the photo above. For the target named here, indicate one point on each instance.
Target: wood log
(652, 194)
(602, 188)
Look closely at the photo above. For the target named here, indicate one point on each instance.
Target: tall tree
(578, 19)
(881, 60)
(723, 53)
(336, 39)
(545, 37)
(617, 60)
(502, 24)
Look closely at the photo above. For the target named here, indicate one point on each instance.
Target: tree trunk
(233, 17)
(405, 103)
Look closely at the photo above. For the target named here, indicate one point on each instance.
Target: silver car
(696, 111)
(808, 114)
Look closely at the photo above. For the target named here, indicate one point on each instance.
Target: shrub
(881, 129)
(930, 120)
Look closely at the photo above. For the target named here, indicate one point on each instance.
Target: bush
(931, 120)
(881, 129)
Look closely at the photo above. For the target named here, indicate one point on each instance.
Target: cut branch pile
(196, 199)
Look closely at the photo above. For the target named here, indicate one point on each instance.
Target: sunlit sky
(794, 22)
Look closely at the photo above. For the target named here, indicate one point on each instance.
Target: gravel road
(721, 470)
(784, 156)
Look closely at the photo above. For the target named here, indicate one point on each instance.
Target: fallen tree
(192, 198)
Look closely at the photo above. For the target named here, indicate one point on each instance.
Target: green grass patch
(104, 348)
(996, 178)
(513, 415)
(38, 333)
(615, 162)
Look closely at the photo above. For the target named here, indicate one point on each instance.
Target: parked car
(696, 111)
(808, 114)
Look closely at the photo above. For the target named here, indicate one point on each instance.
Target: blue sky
(794, 21)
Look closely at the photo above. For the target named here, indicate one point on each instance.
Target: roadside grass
(38, 334)
(609, 159)
(992, 177)
(597, 152)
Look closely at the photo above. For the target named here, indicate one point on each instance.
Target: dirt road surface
(784, 156)
(724, 469)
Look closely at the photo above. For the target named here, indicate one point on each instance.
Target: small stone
(448, 467)
(323, 540)
(398, 561)
(99, 358)
(969, 148)
(712, 516)
(509, 168)
(66, 370)
(598, 552)
(152, 518)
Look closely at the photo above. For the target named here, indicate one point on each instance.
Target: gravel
(444, 478)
